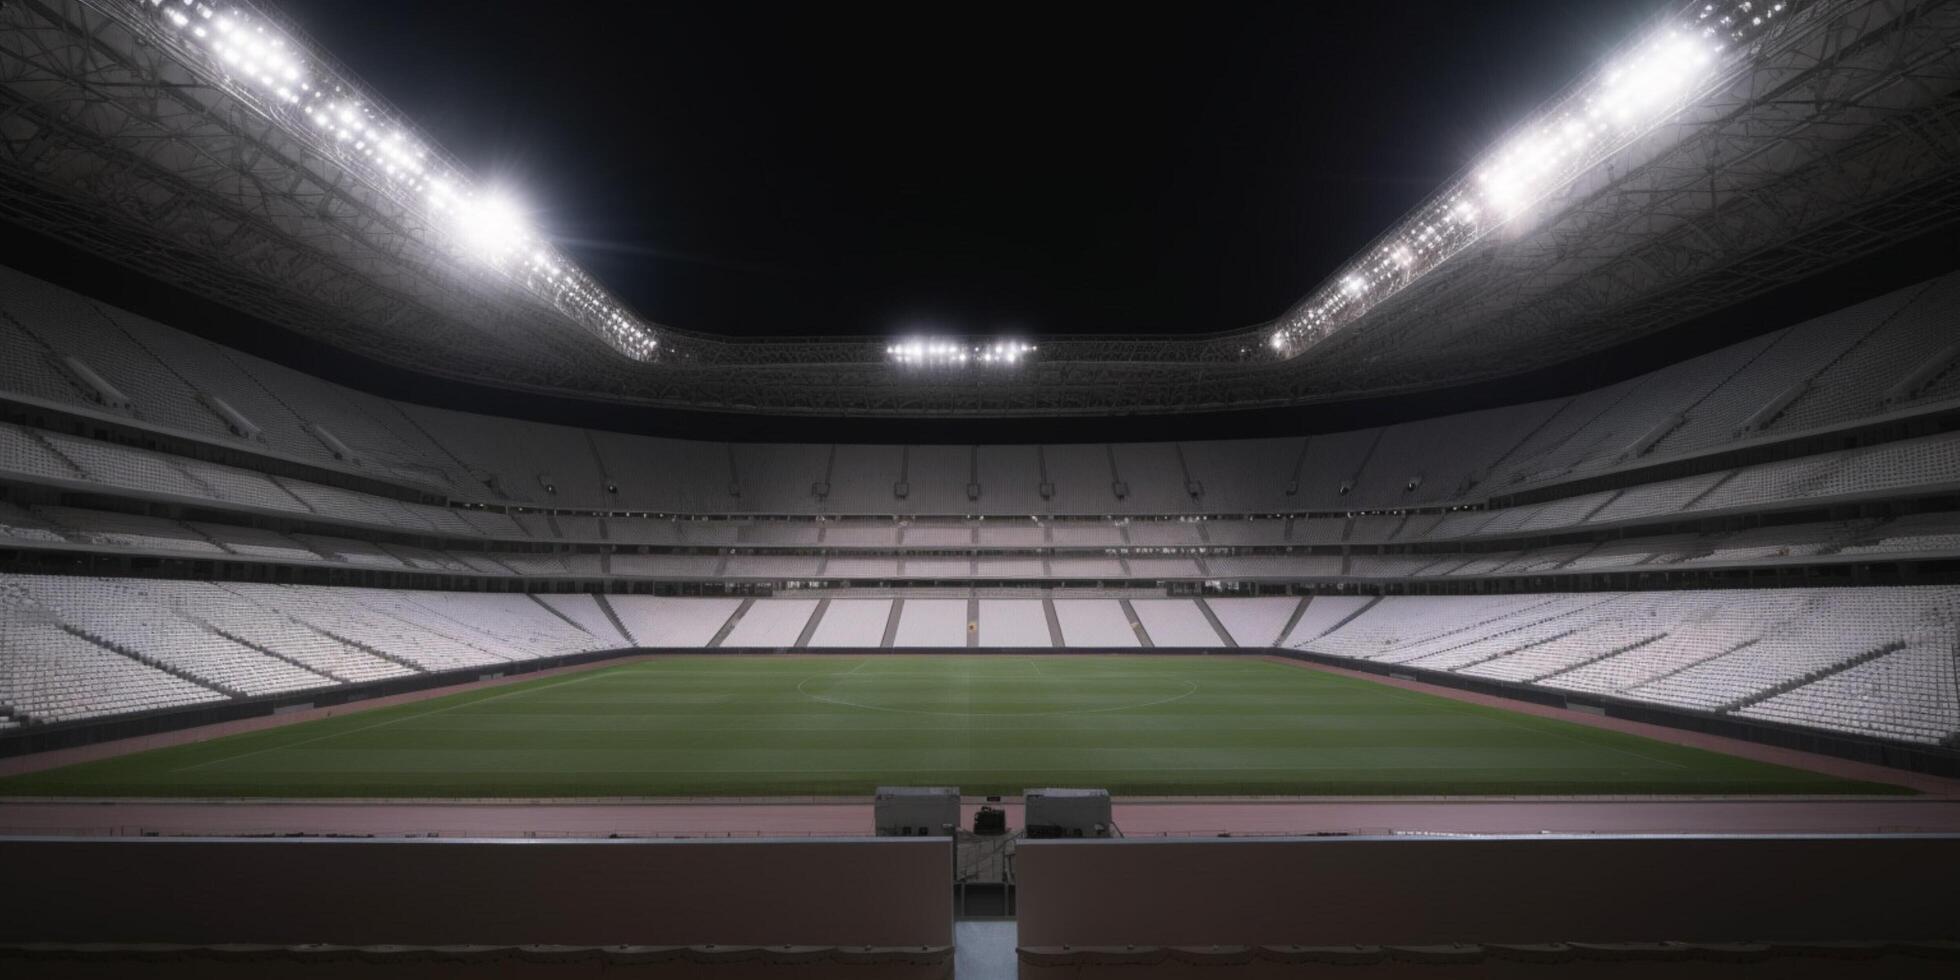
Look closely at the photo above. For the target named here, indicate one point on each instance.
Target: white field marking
(391, 721)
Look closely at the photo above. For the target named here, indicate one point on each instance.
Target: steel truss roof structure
(1835, 135)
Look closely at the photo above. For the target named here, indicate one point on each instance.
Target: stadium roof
(1728, 149)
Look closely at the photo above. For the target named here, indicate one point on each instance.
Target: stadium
(1564, 580)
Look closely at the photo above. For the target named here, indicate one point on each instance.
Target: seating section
(1075, 550)
(773, 625)
(1901, 695)
(864, 536)
(1276, 566)
(140, 618)
(666, 566)
(226, 612)
(1913, 533)
(929, 623)
(1095, 624)
(50, 675)
(873, 568)
(116, 466)
(587, 614)
(328, 476)
(26, 453)
(1320, 614)
(350, 551)
(1875, 661)
(75, 648)
(1086, 568)
(1884, 656)
(1014, 623)
(1828, 371)
(1176, 623)
(1248, 557)
(847, 623)
(256, 542)
(22, 525)
(931, 568)
(660, 623)
(419, 630)
(938, 535)
(1254, 623)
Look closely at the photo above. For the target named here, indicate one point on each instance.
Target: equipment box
(1068, 813)
(916, 811)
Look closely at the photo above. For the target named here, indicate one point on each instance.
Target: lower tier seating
(1871, 661)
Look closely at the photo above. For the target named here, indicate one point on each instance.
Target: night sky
(827, 169)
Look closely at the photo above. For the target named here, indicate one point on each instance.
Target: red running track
(1136, 818)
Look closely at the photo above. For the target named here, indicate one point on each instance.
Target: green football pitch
(842, 725)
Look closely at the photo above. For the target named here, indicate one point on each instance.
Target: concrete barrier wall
(1418, 891)
(884, 892)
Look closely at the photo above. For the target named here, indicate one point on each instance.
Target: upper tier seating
(147, 533)
(22, 525)
(1816, 374)
(1933, 533)
(1911, 467)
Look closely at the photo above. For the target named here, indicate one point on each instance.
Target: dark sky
(824, 169)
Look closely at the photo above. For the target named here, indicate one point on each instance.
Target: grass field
(708, 725)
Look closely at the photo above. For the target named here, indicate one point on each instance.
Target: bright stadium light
(493, 227)
(943, 352)
(270, 67)
(1648, 83)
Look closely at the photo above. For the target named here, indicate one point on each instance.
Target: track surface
(1136, 818)
(728, 726)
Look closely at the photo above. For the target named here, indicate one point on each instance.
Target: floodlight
(943, 353)
(255, 58)
(491, 226)
(1650, 81)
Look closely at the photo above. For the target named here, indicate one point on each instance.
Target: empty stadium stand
(203, 526)
(1870, 661)
(1884, 656)
(1718, 401)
